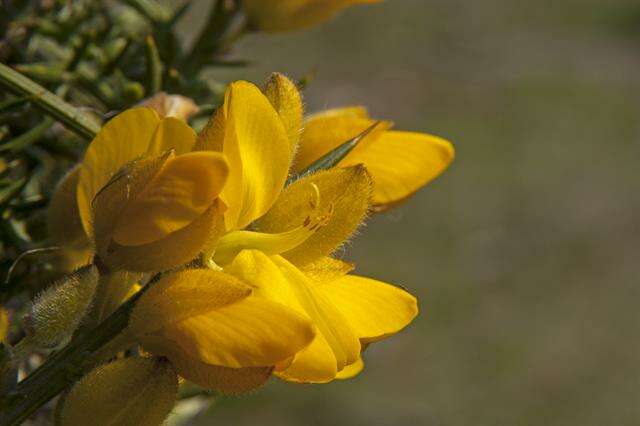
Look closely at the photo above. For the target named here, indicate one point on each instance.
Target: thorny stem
(65, 367)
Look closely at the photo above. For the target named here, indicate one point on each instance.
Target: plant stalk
(71, 117)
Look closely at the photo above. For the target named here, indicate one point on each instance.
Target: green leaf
(154, 67)
(28, 137)
(333, 157)
(10, 191)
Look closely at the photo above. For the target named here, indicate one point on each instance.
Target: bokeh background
(525, 254)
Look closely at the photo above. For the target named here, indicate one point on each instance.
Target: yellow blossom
(153, 195)
(144, 198)
(288, 15)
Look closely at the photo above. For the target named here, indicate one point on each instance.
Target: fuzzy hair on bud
(287, 101)
(125, 392)
(57, 312)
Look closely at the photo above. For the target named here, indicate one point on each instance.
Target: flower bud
(286, 100)
(128, 391)
(171, 105)
(287, 15)
(59, 309)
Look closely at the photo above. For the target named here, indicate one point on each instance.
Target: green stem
(51, 104)
(65, 367)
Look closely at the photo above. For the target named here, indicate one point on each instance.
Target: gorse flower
(267, 296)
(189, 257)
(288, 15)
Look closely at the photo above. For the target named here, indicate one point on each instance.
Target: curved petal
(128, 136)
(252, 332)
(373, 309)
(182, 295)
(344, 192)
(327, 130)
(276, 279)
(176, 249)
(181, 191)
(172, 134)
(250, 133)
(351, 370)
(315, 364)
(229, 381)
(401, 163)
(124, 138)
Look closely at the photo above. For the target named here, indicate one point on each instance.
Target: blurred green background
(525, 254)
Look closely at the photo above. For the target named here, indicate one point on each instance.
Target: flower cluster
(265, 296)
(210, 257)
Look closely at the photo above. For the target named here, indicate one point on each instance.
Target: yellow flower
(321, 316)
(215, 331)
(153, 195)
(288, 15)
(400, 162)
(145, 199)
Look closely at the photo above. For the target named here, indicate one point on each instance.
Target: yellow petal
(251, 135)
(175, 249)
(288, 15)
(209, 316)
(276, 279)
(351, 370)
(401, 163)
(126, 392)
(252, 332)
(63, 218)
(181, 191)
(326, 131)
(65, 226)
(345, 192)
(315, 364)
(172, 134)
(287, 101)
(182, 295)
(126, 137)
(229, 381)
(373, 309)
